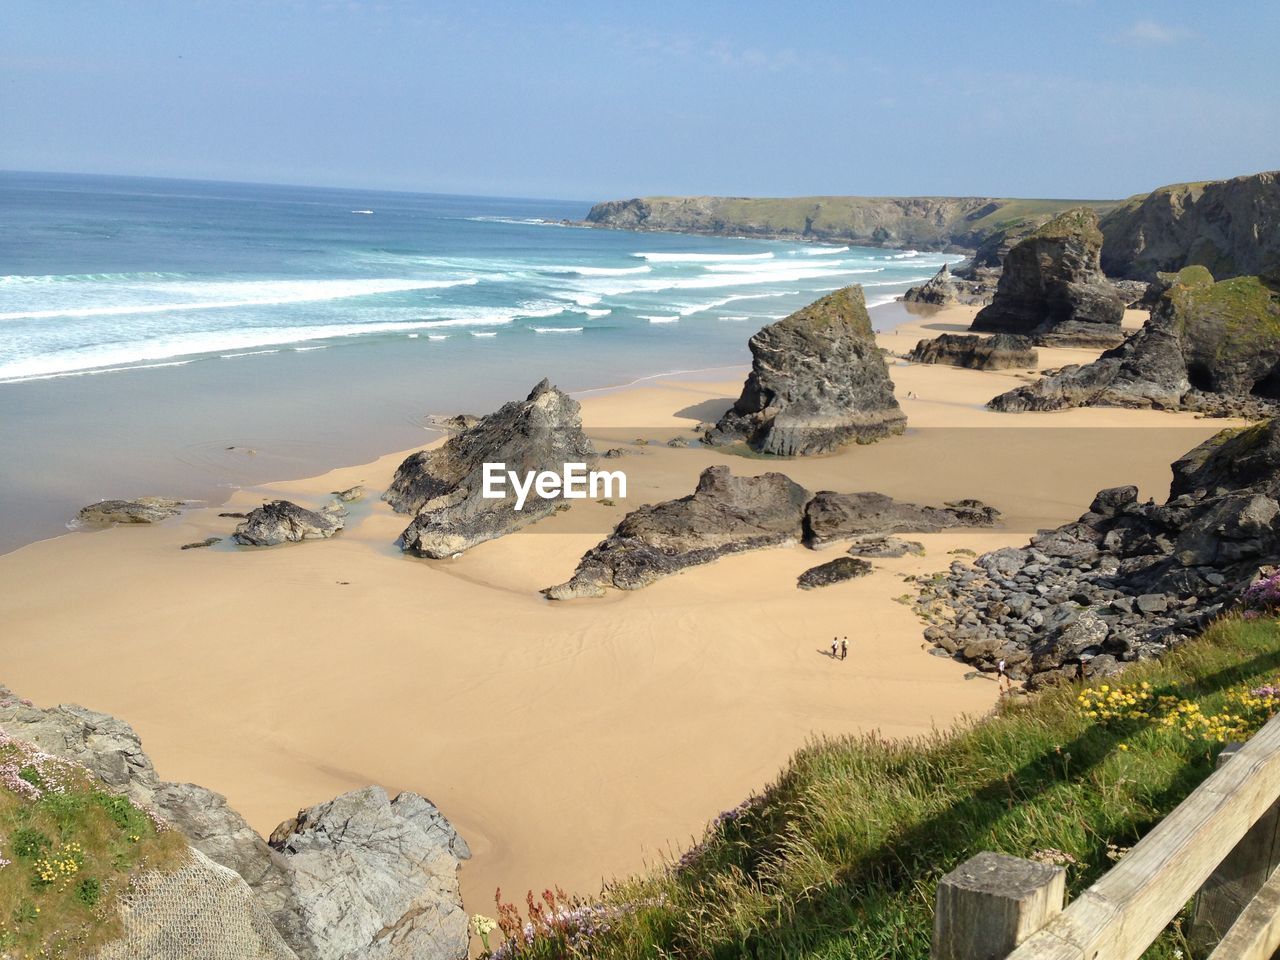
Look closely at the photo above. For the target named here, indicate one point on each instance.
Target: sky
(601, 99)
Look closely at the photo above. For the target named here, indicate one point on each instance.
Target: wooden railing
(1221, 845)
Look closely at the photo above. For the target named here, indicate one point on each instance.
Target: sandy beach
(573, 742)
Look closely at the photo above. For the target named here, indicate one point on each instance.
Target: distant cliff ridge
(927, 223)
(1232, 227)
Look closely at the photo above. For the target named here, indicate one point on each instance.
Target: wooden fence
(1221, 846)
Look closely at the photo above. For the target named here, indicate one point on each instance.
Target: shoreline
(571, 742)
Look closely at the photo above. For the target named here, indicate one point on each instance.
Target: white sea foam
(596, 271)
(437, 336)
(556, 329)
(413, 336)
(905, 255)
(309, 349)
(671, 319)
(247, 353)
(692, 308)
(478, 333)
(215, 295)
(742, 316)
(700, 257)
(823, 251)
(593, 313)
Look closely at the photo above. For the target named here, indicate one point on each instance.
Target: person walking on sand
(1002, 677)
(834, 647)
(844, 648)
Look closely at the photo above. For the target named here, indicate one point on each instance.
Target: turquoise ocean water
(147, 325)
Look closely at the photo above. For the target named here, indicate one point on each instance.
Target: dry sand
(567, 742)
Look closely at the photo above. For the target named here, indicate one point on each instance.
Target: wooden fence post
(1238, 878)
(991, 903)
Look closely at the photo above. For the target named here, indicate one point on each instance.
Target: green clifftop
(937, 223)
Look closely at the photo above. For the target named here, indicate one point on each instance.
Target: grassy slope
(67, 855)
(840, 857)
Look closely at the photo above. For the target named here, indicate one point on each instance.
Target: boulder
(818, 381)
(142, 510)
(883, 547)
(1052, 288)
(724, 515)
(834, 516)
(833, 571)
(1004, 351)
(281, 521)
(1211, 347)
(377, 879)
(444, 486)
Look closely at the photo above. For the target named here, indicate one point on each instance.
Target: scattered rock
(281, 521)
(885, 547)
(197, 544)
(1004, 351)
(444, 486)
(142, 510)
(1129, 579)
(234, 516)
(351, 494)
(834, 571)
(614, 453)
(1052, 288)
(818, 381)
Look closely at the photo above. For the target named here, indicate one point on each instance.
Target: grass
(839, 858)
(1245, 309)
(67, 852)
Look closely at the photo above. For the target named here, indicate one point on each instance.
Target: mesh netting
(201, 911)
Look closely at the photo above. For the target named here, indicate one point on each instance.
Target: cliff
(1232, 227)
(933, 223)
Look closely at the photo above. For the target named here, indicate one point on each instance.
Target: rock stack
(818, 381)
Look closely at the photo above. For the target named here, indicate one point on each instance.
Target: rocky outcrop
(1231, 227)
(1210, 347)
(818, 381)
(938, 291)
(112, 751)
(281, 521)
(728, 514)
(724, 515)
(925, 223)
(142, 510)
(1128, 579)
(377, 879)
(1052, 288)
(1004, 351)
(833, 571)
(833, 516)
(444, 486)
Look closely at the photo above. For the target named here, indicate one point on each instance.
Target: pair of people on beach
(839, 648)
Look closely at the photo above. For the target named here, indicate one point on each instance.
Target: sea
(153, 332)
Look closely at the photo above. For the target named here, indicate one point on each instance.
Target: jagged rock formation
(938, 291)
(142, 510)
(1128, 579)
(728, 514)
(1232, 227)
(833, 516)
(927, 223)
(377, 879)
(444, 486)
(818, 381)
(1052, 288)
(1004, 351)
(113, 751)
(724, 515)
(281, 521)
(1211, 347)
(833, 571)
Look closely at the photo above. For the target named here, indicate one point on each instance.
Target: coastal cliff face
(1232, 227)
(932, 223)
